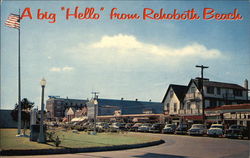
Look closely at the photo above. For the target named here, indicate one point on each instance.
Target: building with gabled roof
(57, 107)
(173, 102)
(215, 94)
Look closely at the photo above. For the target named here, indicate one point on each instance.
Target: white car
(216, 130)
(197, 129)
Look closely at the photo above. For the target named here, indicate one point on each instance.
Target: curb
(77, 150)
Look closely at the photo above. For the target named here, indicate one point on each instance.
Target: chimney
(136, 99)
(246, 86)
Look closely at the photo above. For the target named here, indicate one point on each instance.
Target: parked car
(169, 128)
(181, 129)
(128, 126)
(101, 126)
(117, 126)
(237, 131)
(156, 128)
(135, 127)
(144, 127)
(216, 130)
(197, 129)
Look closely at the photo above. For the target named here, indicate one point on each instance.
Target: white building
(173, 102)
(215, 94)
(173, 98)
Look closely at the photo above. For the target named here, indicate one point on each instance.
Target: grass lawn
(69, 139)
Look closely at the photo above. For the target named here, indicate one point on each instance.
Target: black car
(181, 129)
(237, 131)
(156, 128)
(128, 126)
(169, 128)
(135, 127)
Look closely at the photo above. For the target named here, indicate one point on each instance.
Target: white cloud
(127, 43)
(67, 68)
(64, 69)
(55, 69)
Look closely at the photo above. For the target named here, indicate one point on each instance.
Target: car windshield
(169, 125)
(198, 126)
(155, 125)
(137, 125)
(234, 127)
(216, 126)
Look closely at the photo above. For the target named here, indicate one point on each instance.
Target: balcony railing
(190, 111)
(193, 96)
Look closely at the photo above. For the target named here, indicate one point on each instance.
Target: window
(210, 90)
(175, 107)
(238, 93)
(213, 103)
(218, 90)
(167, 106)
(188, 105)
(171, 94)
(192, 89)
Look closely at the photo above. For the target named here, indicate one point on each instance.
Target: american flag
(13, 21)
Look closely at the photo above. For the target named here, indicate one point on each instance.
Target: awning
(79, 119)
(65, 119)
(193, 117)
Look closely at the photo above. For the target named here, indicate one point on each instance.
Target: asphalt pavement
(176, 146)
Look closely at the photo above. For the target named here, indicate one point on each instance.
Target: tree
(26, 106)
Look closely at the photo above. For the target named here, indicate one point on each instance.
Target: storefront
(230, 114)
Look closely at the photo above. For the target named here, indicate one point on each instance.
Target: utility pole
(95, 104)
(202, 91)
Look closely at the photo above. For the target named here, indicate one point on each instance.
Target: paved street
(177, 146)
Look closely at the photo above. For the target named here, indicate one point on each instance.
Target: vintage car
(181, 129)
(197, 129)
(216, 130)
(101, 126)
(169, 128)
(128, 127)
(156, 128)
(237, 131)
(144, 127)
(135, 127)
(114, 127)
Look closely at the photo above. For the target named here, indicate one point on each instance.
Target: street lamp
(41, 138)
(95, 105)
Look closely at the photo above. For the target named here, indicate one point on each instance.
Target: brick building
(57, 106)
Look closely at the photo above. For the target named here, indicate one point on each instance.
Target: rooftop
(220, 84)
(180, 91)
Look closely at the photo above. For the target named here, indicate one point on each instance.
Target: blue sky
(128, 58)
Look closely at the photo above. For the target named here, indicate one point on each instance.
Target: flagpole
(19, 80)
